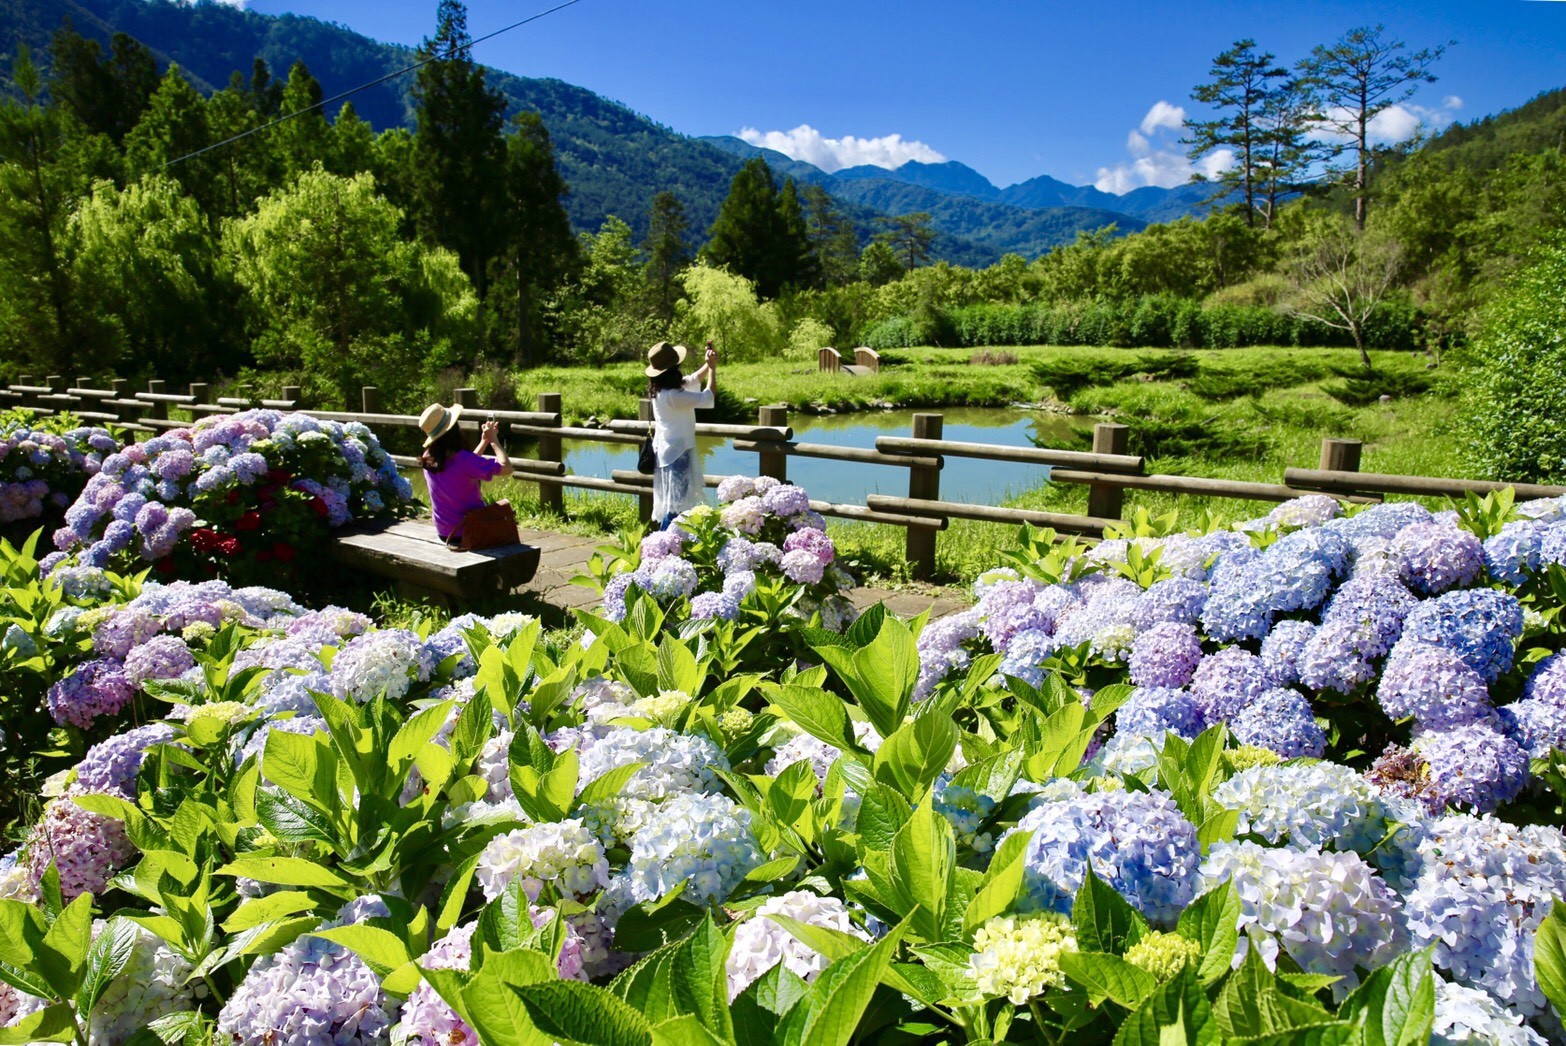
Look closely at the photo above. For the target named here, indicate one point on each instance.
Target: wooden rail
(1107, 471)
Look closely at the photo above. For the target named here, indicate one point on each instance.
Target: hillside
(614, 159)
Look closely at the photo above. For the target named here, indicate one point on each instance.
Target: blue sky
(1013, 89)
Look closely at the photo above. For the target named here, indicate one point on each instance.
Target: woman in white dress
(677, 481)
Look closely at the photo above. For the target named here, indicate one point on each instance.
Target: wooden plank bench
(408, 552)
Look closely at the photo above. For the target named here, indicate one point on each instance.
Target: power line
(373, 83)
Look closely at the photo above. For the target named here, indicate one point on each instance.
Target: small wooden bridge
(866, 361)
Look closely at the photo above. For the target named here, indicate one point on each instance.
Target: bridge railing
(1107, 470)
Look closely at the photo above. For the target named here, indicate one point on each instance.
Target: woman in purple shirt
(455, 473)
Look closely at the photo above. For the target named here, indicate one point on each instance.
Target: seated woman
(455, 473)
(677, 482)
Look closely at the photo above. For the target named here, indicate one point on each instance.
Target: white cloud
(1156, 158)
(1163, 115)
(832, 154)
(1452, 101)
(1396, 123)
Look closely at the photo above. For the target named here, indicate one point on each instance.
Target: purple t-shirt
(454, 490)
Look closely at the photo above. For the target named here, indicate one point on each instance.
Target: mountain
(613, 158)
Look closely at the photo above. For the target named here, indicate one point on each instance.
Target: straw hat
(663, 356)
(437, 420)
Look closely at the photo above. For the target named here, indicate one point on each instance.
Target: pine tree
(831, 236)
(795, 262)
(909, 236)
(1243, 79)
(539, 248)
(352, 148)
(106, 95)
(667, 252)
(747, 227)
(170, 132)
(459, 151)
(305, 140)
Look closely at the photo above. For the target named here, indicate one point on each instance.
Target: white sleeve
(690, 398)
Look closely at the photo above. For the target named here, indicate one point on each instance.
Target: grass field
(1242, 414)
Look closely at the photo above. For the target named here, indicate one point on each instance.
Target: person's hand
(490, 433)
(712, 355)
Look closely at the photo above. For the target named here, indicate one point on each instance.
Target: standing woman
(677, 483)
(455, 473)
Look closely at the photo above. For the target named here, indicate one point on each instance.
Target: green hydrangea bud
(1163, 954)
(1247, 756)
(1019, 957)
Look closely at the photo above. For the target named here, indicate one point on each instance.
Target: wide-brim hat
(437, 420)
(663, 356)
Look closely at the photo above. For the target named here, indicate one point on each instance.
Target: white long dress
(677, 485)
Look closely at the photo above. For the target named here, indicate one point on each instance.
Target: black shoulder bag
(646, 460)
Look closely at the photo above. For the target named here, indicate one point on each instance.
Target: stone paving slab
(566, 555)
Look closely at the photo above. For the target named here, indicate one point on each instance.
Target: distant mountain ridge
(614, 159)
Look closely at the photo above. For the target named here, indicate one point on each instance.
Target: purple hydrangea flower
(1226, 682)
(1435, 558)
(1281, 719)
(1432, 684)
(1153, 711)
(1481, 626)
(1283, 648)
(163, 657)
(803, 567)
(1471, 765)
(111, 766)
(714, 605)
(97, 688)
(1165, 655)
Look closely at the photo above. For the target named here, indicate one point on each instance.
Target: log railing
(1107, 470)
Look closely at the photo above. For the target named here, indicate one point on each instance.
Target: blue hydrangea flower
(1432, 684)
(1178, 600)
(1472, 765)
(1165, 655)
(1283, 648)
(111, 766)
(1154, 711)
(1281, 719)
(1513, 554)
(702, 841)
(1481, 626)
(1228, 681)
(1537, 726)
(1137, 842)
(1435, 558)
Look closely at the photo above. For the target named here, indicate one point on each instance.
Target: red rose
(284, 552)
(233, 496)
(249, 521)
(279, 475)
(164, 565)
(204, 539)
(229, 546)
(319, 504)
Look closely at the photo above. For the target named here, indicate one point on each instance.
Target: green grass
(1244, 414)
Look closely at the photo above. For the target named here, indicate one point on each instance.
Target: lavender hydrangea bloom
(1137, 842)
(667, 579)
(1165, 655)
(1177, 600)
(1513, 554)
(760, 943)
(1473, 765)
(388, 661)
(703, 841)
(162, 657)
(313, 991)
(942, 651)
(1311, 510)
(86, 848)
(1469, 1017)
(803, 567)
(714, 605)
(1280, 719)
(111, 766)
(1536, 726)
(1482, 891)
(1547, 682)
(1226, 682)
(663, 544)
(1329, 911)
(674, 763)
(732, 488)
(786, 500)
(97, 688)
(1307, 806)
(1361, 623)
(1283, 648)
(1481, 626)
(1025, 653)
(1432, 684)
(1154, 711)
(1435, 557)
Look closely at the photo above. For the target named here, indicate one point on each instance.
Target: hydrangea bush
(302, 827)
(240, 496)
(45, 463)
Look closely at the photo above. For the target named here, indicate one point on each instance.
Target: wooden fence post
(644, 502)
(773, 463)
(1108, 502)
(56, 383)
(370, 399)
(156, 408)
(468, 398)
(1340, 455)
(294, 394)
(550, 495)
(26, 379)
(924, 484)
(201, 392)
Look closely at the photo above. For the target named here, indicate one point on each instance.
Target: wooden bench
(408, 552)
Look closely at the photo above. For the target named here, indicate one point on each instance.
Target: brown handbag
(490, 527)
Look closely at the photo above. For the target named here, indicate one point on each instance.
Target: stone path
(564, 556)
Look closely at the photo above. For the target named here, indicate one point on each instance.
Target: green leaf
(414, 735)
(1178, 1013)
(1395, 1004)
(685, 1031)
(608, 785)
(1001, 884)
(882, 814)
(645, 927)
(924, 854)
(1549, 957)
(106, 957)
(699, 979)
(1109, 977)
(303, 766)
(1213, 921)
(55, 1023)
(814, 711)
(830, 1011)
(1251, 1004)
(916, 753)
(286, 871)
(381, 950)
(583, 1013)
(647, 985)
(760, 1007)
(1105, 921)
(63, 951)
(677, 667)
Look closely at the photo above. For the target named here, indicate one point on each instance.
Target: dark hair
(448, 443)
(663, 381)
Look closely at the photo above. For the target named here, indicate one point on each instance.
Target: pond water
(963, 479)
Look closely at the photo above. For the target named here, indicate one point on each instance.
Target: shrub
(1516, 405)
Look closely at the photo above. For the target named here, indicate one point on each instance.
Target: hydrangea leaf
(1395, 1004)
(1109, 977)
(699, 978)
(1549, 957)
(831, 1009)
(1104, 921)
(914, 755)
(1213, 921)
(570, 1010)
(55, 1023)
(924, 853)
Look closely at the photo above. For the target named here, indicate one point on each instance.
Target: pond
(963, 479)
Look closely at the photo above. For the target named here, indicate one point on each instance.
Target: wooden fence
(1108, 470)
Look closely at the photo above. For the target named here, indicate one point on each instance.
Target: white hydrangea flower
(1469, 1017)
(1019, 957)
(566, 854)
(152, 984)
(760, 943)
